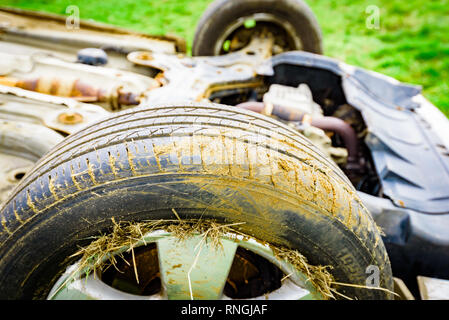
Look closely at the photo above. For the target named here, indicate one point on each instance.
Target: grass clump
(105, 251)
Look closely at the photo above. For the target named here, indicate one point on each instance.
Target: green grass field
(411, 43)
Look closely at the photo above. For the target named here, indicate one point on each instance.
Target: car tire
(222, 14)
(198, 159)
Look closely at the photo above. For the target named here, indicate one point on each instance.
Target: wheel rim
(251, 22)
(189, 269)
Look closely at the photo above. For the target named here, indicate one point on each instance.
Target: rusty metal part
(72, 88)
(107, 87)
(145, 56)
(198, 78)
(128, 98)
(195, 78)
(70, 118)
(192, 78)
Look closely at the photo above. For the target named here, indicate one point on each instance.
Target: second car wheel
(229, 25)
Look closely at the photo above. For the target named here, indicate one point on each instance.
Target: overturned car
(255, 169)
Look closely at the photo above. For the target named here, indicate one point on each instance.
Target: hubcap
(162, 266)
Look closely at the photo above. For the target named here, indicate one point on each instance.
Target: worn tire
(199, 160)
(222, 13)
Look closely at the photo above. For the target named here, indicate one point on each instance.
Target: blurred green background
(411, 43)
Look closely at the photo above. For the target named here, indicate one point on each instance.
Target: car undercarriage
(379, 136)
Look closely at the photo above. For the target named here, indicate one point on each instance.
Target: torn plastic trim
(406, 149)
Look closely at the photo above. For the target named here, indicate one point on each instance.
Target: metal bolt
(70, 118)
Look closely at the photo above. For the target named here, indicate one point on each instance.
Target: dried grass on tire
(103, 252)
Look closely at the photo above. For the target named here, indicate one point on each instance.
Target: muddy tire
(203, 160)
(222, 18)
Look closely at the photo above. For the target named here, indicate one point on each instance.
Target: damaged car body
(99, 93)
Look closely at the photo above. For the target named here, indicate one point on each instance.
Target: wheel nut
(70, 118)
